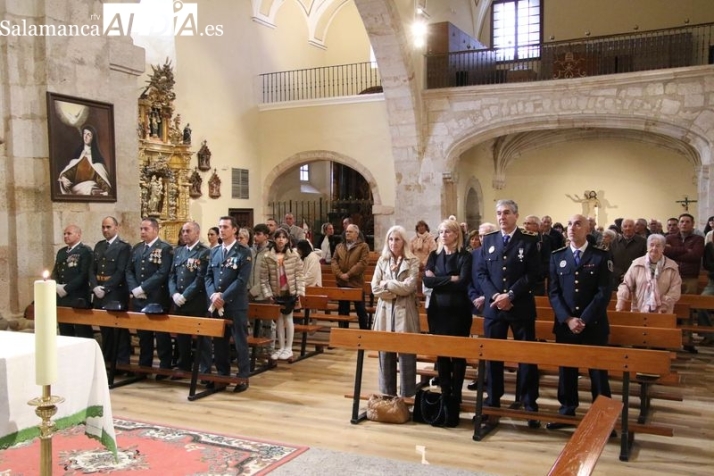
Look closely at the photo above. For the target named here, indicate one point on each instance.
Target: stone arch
(315, 155)
(318, 16)
(473, 203)
(697, 145)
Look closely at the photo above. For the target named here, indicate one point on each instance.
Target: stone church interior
(383, 111)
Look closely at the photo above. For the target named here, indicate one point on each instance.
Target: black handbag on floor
(429, 408)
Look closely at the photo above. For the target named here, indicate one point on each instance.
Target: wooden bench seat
(199, 326)
(173, 324)
(584, 448)
(625, 361)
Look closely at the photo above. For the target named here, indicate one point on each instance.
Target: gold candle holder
(46, 409)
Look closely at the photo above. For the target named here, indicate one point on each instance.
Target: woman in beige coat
(652, 284)
(394, 283)
(282, 281)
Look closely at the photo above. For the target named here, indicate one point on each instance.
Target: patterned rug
(146, 448)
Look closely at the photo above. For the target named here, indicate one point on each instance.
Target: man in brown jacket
(348, 265)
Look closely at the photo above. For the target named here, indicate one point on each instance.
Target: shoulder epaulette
(529, 233)
(491, 233)
(559, 249)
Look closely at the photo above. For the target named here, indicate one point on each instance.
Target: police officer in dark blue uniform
(579, 292)
(71, 271)
(508, 268)
(108, 283)
(147, 277)
(227, 290)
(187, 288)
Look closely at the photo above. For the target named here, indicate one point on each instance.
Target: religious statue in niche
(214, 185)
(156, 193)
(175, 134)
(590, 203)
(204, 157)
(187, 134)
(196, 181)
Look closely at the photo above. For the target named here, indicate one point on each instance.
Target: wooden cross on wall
(685, 203)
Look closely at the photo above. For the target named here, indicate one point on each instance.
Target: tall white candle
(45, 331)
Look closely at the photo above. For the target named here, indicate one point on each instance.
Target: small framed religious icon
(204, 157)
(214, 185)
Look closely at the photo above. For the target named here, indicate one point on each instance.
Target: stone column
(92, 67)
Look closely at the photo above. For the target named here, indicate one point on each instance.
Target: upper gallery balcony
(451, 64)
(582, 57)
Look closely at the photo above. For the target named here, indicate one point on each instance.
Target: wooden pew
(198, 326)
(657, 338)
(172, 324)
(311, 303)
(584, 448)
(613, 359)
(335, 294)
(622, 318)
(257, 313)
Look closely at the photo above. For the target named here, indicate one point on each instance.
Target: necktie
(576, 257)
(506, 239)
(223, 256)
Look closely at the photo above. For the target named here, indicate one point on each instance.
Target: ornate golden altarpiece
(163, 156)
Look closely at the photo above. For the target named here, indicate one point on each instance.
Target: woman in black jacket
(448, 273)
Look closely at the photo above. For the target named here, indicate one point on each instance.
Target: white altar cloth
(81, 381)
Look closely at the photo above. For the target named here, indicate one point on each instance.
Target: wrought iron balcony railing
(624, 53)
(318, 83)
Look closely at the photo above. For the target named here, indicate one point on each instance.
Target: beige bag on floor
(387, 409)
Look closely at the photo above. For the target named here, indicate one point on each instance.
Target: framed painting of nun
(81, 146)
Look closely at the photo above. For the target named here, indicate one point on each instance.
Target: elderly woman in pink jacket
(652, 284)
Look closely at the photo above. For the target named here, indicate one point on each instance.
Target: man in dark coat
(147, 277)
(187, 289)
(71, 271)
(108, 283)
(579, 292)
(508, 269)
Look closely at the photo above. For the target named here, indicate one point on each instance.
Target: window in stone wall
(516, 27)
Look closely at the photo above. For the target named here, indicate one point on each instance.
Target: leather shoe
(176, 377)
(472, 386)
(241, 387)
(558, 426)
(534, 424)
(613, 434)
(161, 377)
(210, 385)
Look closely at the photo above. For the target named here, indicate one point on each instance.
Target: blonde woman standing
(394, 283)
(282, 280)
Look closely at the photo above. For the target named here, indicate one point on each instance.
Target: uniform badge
(492, 249)
(609, 265)
(520, 254)
(563, 264)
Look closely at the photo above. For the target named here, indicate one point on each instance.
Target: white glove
(99, 292)
(60, 290)
(138, 293)
(179, 299)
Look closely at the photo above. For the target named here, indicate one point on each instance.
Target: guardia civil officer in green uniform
(71, 271)
(108, 283)
(187, 289)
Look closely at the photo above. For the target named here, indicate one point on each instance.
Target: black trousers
(527, 382)
(343, 309)
(568, 376)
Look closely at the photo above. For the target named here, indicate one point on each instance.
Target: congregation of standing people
(492, 271)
